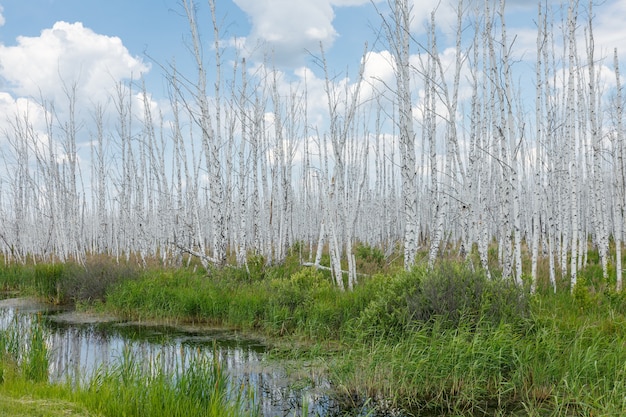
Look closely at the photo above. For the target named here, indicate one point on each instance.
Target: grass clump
(131, 389)
(450, 294)
(67, 283)
(23, 351)
(88, 283)
(458, 294)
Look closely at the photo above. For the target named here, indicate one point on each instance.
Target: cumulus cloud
(67, 54)
(288, 28)
(67, 57)
(378, 74)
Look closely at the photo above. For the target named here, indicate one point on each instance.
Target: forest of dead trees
(475, 155)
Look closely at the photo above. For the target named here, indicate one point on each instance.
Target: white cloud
(70, 54)
(378, 74)
(289, 27)
(2, 19)
(286, 29)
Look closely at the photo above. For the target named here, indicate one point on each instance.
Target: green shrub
(369, 258)
(300, 288)
(387, 313)
(456, 293)
(450, 293)
(256, 266)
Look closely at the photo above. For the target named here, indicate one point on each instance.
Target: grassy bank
(446, 341)
(557, 364)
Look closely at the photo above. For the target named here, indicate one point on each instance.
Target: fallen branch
(326, 268)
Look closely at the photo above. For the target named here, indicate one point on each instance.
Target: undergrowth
(439, 341)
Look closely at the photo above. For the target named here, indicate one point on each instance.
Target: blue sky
(157, 29)
(105, 41)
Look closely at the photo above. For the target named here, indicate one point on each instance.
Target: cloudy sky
(46, 45)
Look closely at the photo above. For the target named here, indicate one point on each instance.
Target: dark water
(80, 345)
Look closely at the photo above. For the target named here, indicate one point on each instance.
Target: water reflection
(78, 350)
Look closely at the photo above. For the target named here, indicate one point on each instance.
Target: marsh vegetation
(441, 341)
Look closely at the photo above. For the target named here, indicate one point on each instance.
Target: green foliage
(585, 300)
(36, 357)
(615, 301)
(129, 388)
(67, 282)
(47, 279)
(303, 300)
(456, 293)
(451, 293)
(256, 266)
(564, 362)
(289, 266)
(299, 289)
(387, 313)
(24, 348)
(440, 341)
(370, 254)
(369, 259)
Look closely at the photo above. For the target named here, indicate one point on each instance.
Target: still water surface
(79, 345)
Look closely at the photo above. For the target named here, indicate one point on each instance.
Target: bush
(90, 282)
(455, 293)
(387, 314)
(256, 266)
(452, 294)
(369, 258)
(300, 288)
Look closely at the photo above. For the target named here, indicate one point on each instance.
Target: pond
(80, 344)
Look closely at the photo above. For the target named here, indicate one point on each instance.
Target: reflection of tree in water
(78, 351)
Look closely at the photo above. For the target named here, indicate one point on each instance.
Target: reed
(562, 361)
(440, 341)
(130, 388)
(126, 388)
(23, 350)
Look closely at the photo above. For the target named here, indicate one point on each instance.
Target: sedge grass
(495, 353)
(572, 364)
(125, 388)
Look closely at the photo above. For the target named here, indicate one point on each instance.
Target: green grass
(560, 361)
(20, 405)
(127, 388)
(304, 304)
(446, 341)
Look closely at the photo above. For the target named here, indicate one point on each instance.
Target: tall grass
(129, 389)
(304, 303)
(561, 361)
(23, 350)
(126, 388)
(440, 341)
(67, 283)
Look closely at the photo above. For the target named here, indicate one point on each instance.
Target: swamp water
(80, 345)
